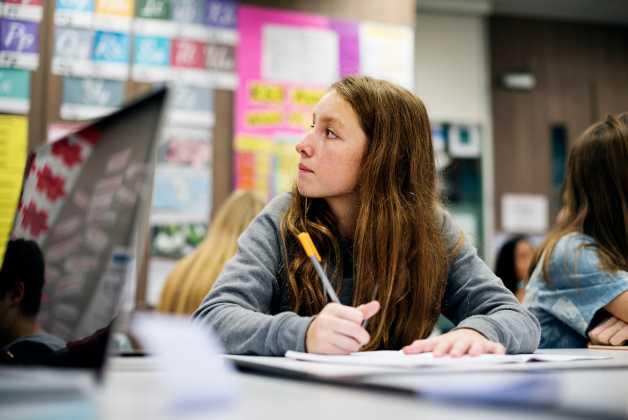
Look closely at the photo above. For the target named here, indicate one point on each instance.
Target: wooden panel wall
(582, 74)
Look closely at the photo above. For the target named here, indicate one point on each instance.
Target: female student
(366, 193)
(194, 275)
(581, 271)
(513, 264)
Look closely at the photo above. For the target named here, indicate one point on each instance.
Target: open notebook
(399, 359)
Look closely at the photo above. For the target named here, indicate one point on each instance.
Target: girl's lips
(303, 168)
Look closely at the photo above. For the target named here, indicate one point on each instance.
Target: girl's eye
(330, 134)
(312, 125)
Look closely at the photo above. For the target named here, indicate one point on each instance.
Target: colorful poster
(217, 68)
(191, 106)
(189, 11)
(72, 52)
(278, 87)
(15, 91)
(19, 44)
(222, 13)
(77, 13)
(190, 15)
(185, 146)
(387, 52)
(151, 59)
(189, 54)
(181, 194)
(154, 9)
(220, 58)
(153, 18)
(13, 147)
(31, 10)
(254, 164)
(113, 15)
(283, 58)
(111, 55)
(221, 16)
(87, 98)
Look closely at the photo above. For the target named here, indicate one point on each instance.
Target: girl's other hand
(456, 343)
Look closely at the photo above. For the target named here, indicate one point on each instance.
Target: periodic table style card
(15, 91)
(151, 59)
(113, 15)
(74, 13)
(30, 10)
(154, 17)
(110, 54)
(72, 52)
(87, 98)
(19, 44)
(191, 106)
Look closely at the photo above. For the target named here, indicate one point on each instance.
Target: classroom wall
(452, 78)
(451, 67)
(374, 10)
(581, 73)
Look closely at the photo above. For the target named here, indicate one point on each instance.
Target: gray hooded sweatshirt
(249, 306)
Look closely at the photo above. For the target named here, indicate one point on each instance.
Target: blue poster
(75, 5)
(111, 47)
(152, 51)
(14, 91)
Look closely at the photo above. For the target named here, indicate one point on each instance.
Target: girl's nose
(305, 147)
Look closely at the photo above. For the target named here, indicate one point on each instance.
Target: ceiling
(608, 11)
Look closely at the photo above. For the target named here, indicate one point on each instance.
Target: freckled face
(331, 152)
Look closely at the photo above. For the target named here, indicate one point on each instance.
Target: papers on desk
(399, 359)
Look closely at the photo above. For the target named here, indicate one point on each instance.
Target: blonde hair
(192, 278)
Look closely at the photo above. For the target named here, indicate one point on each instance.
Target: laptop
(85, 201)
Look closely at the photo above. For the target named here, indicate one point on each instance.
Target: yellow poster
(254, 164)
(122, 8)
(13, 146)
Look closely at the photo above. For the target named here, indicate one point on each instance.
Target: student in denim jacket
(578, 289)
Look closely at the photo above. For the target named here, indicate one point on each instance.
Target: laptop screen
(82, 198)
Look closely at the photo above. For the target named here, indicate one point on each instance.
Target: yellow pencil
(310, 251)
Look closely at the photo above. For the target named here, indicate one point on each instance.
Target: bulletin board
(286, 62)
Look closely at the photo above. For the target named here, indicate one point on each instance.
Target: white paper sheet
(400, 359)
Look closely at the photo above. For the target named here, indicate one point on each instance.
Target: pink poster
(285, 63)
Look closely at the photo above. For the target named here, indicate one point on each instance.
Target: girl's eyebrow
(331, 120)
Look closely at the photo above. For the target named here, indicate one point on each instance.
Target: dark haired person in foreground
(21, 284)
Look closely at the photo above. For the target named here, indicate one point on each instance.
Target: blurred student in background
(513, 264)
(579, 285)
(21, 282)
(193, 276)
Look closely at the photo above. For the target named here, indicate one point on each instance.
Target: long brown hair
(193, 276)
(595, 195)
(397, 245)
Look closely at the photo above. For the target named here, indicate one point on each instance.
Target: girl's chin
(307, 192)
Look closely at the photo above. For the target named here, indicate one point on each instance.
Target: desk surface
(134, 388)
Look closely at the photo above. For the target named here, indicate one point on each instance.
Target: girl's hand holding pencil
(337, 329)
